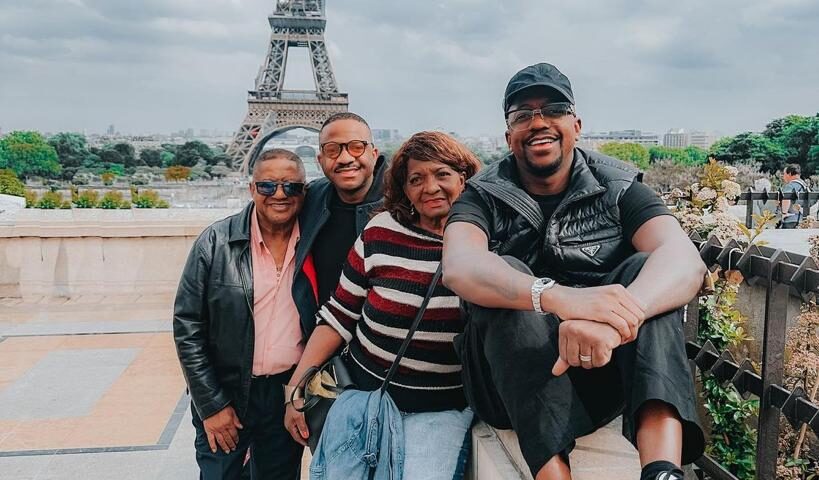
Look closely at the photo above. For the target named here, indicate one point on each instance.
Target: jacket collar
(240, 225)
(505, 173)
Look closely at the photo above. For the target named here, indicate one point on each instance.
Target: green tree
(167, 158)
(696, 155)
(151, 157)
(628, 152)
(28, 154)
(750, 148)
(128, 154)
(193, 152)
(109, 155)
(72, 152)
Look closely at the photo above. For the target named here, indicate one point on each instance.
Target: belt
(282, 377)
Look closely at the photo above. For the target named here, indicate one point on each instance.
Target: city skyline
(81, 65)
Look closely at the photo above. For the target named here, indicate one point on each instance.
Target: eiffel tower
(272, 109)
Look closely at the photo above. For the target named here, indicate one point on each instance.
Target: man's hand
(295, 424)
(584, 343)
(223, 428)
(610, 304)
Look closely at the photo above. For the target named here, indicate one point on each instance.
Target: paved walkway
(90, 389)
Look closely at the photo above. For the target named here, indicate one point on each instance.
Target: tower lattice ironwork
(271, 108)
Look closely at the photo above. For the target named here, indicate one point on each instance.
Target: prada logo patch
(591, 250)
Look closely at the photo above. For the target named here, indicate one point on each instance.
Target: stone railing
(67, 253)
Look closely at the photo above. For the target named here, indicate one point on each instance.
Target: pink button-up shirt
(278, 343)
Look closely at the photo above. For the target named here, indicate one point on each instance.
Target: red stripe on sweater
(381, 234)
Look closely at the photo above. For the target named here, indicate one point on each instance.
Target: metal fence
(804, 199)
(782, 274)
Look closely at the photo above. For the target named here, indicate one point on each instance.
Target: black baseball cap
(538, 75)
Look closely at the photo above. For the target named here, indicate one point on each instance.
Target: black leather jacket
(213, 316)
(583, 240)
(313, 217)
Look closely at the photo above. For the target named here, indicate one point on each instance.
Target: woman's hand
(294, 422)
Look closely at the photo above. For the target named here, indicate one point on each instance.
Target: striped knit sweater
(382, 285)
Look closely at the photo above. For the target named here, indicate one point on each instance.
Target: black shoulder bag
(322, 385)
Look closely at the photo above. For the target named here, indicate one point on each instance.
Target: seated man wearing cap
(573, 275)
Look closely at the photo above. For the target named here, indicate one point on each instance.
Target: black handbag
(322, 385)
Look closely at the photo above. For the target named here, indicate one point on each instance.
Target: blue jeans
(437, 444)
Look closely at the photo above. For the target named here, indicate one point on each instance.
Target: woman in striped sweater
(383, 282)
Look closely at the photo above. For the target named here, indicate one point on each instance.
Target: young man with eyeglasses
(237, 327)
(337, 207)
(573, 275)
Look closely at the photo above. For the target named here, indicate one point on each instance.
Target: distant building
(593, 140)
(702, 140)
(111, 130)
(381, 135)
(676, 138)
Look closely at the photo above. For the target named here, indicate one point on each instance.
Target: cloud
(161, 65)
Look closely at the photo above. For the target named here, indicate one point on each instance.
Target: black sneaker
(670, 475)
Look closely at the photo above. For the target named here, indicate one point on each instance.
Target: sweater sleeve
(344, 307)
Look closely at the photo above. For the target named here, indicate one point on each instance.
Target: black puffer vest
(583, 241)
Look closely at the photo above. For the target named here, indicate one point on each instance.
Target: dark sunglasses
(268, 189)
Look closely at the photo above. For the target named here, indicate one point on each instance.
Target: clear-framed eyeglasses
(521, 118)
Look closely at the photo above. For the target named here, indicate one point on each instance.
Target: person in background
(791, 211)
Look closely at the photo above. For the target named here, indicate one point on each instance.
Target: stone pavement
(90, 388)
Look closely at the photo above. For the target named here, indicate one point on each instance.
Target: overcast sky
(164, 65)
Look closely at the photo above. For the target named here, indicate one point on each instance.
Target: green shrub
(113, 200)
(10, 184)
(31, 199)
(87, 199)
(147, 199)
(108, 178)
(51, 201)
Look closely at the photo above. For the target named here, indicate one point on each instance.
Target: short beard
(545, 171)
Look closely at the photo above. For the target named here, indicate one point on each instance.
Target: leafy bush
(147, 199)
(10, 184)
(177, 173)
(86, 199)
(113, 200)
(52, 200)
(31, 199)
(108, 178)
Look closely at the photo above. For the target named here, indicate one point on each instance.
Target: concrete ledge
(82, 223)
(603, 454)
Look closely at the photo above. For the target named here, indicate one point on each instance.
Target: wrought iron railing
(804, 199)
(783, 274)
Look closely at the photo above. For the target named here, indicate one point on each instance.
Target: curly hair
(425, 147)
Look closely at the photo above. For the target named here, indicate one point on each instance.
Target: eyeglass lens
(355, 148)
(268, 189)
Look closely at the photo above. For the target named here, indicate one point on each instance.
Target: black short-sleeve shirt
(638, 205)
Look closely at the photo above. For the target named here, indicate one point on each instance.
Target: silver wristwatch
(538, 287)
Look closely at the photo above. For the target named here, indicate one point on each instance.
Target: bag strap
(413, 328)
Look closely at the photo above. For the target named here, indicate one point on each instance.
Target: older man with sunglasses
(237, 327)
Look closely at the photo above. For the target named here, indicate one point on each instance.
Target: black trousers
(274, 454)
(507, 360)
